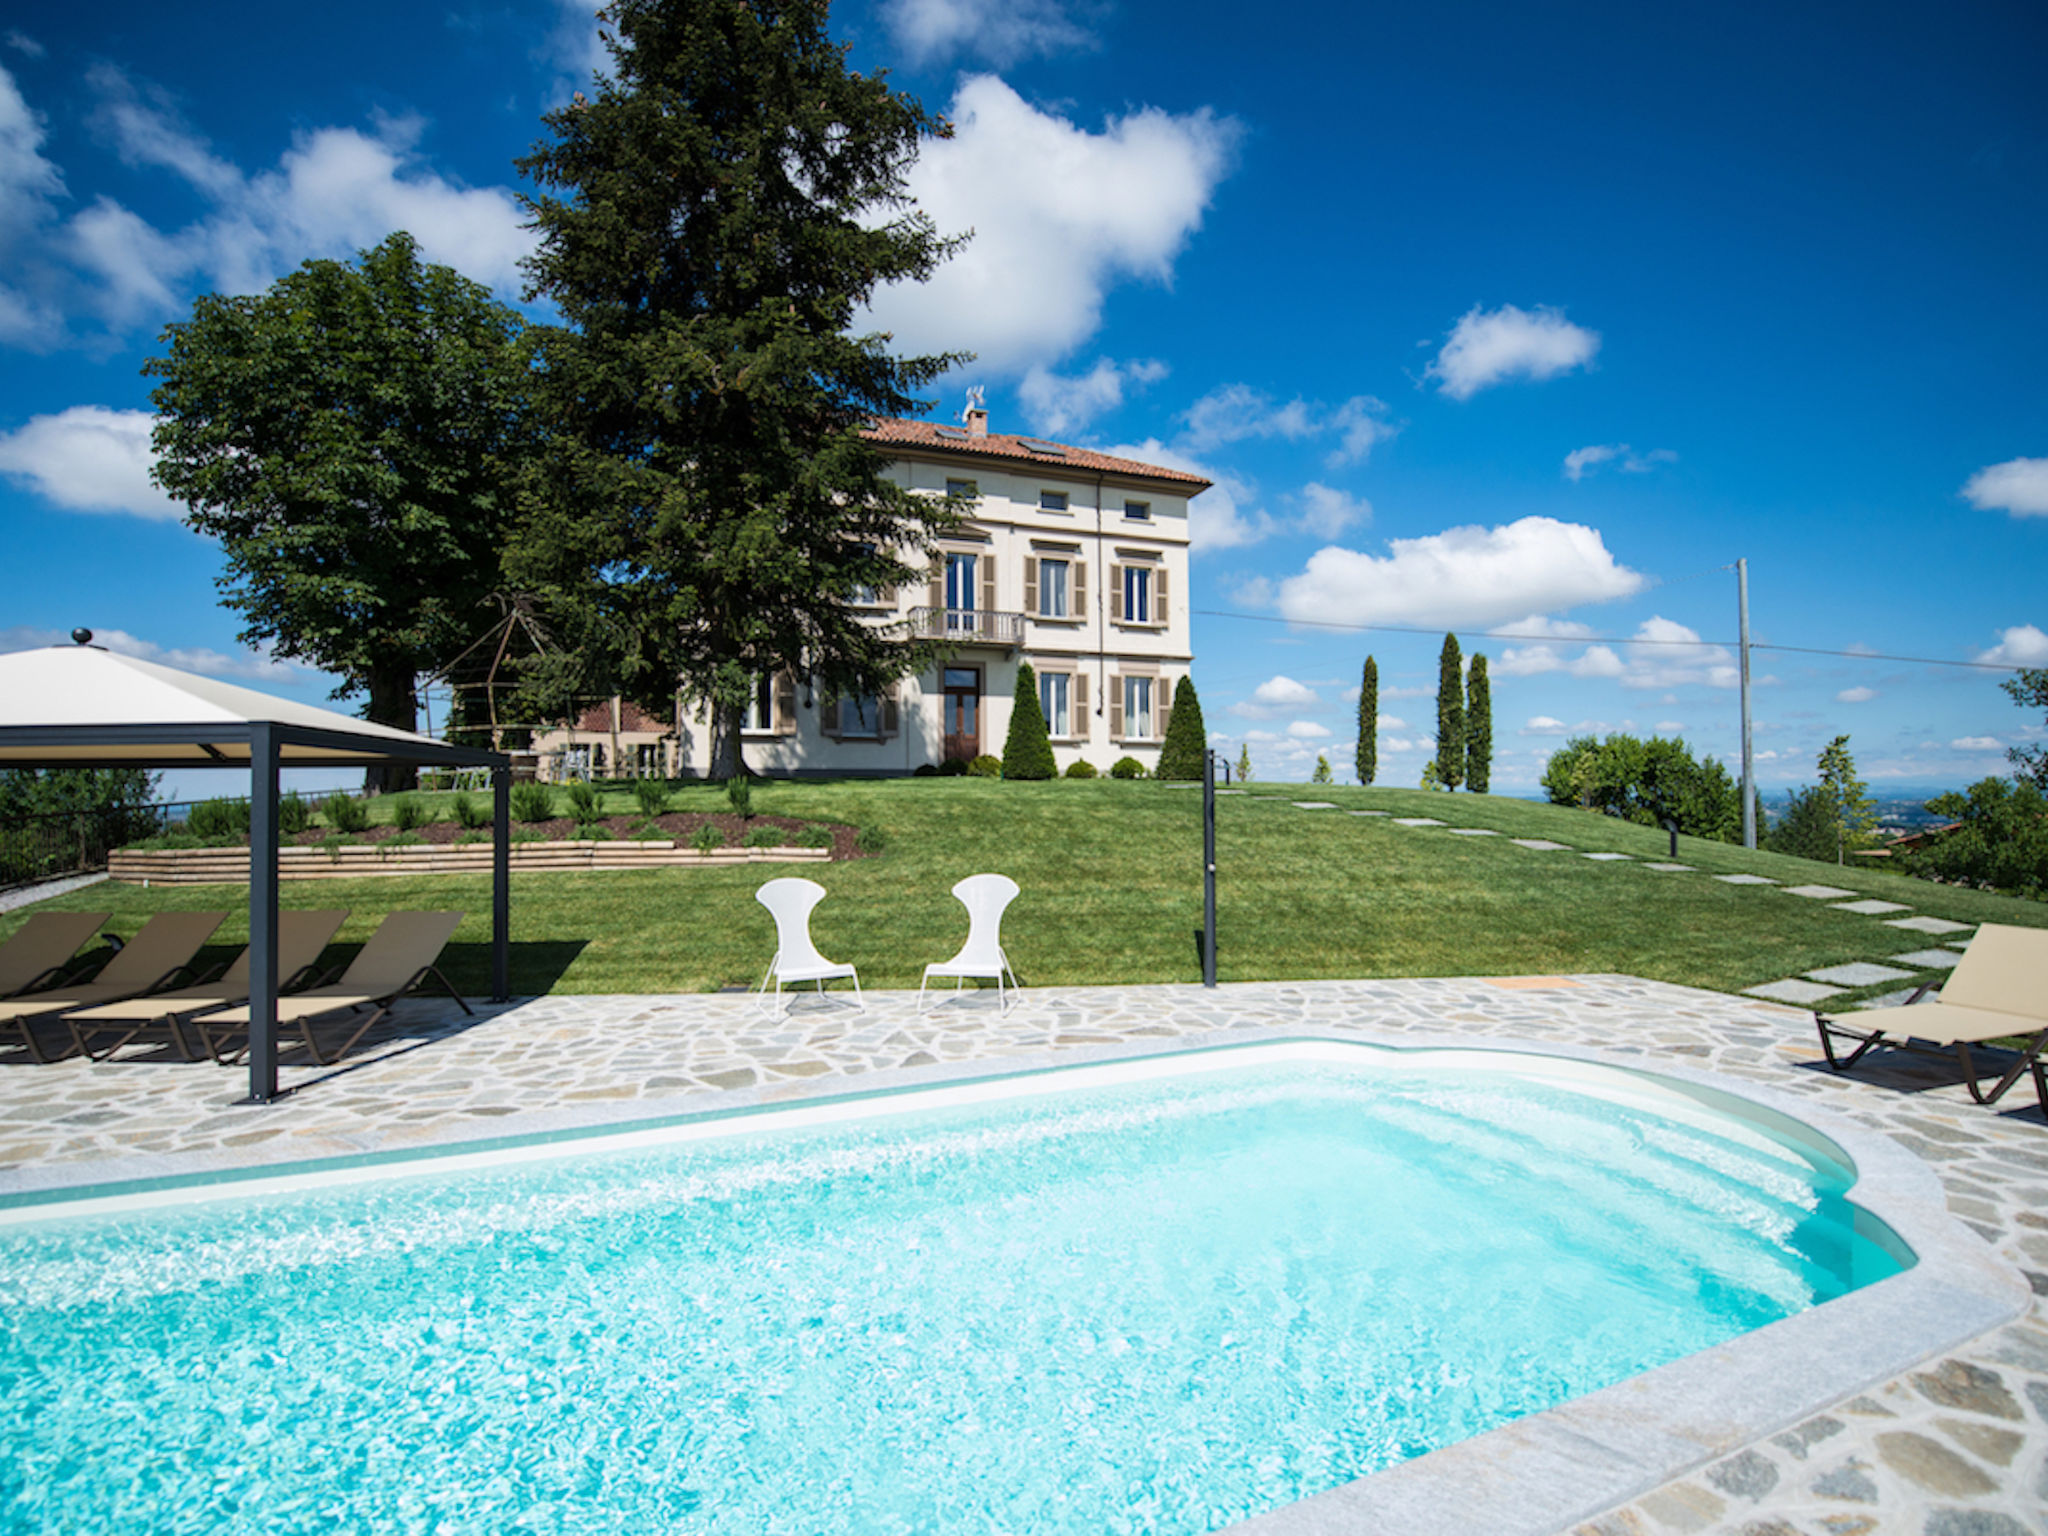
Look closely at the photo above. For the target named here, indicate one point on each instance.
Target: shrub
(471, 815)
(293, 815)
(766, 837)
(217, 819)
(739, 794)
(651, 795)
(582, 801)
(474, 835)
(528, 835)
(814, 837)
(925, 771)
(1027, 751)
(2000, 842)
(871, 840)
(1081, 768)
(407, 812)
(648, 832)
(345, 813)
(533, 802)
(1127, 768)
(1187, 739)
(953, 767)
(593, 832)
(707, 838)
(985, 767)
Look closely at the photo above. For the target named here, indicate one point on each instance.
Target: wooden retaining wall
(230, 866)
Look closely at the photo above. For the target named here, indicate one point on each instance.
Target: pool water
(1157, 1307)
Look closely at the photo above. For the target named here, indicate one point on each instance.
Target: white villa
(1071, 560)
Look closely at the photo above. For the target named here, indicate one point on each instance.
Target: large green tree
(1853, 811)
(2029, 690)
(1450, 716)
(1999, 841)
(353, 437)
(1478, 726)
(1647, 782)
(712, 223)
(1182, 756)
(1366, 757)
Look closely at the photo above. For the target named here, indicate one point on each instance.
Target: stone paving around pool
(1955, 1447)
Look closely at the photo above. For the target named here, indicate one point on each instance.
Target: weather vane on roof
(973, 402)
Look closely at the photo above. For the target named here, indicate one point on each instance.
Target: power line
(1755, 645)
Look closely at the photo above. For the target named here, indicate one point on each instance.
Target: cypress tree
(1244, 763)
(1027, 753)
(1186, 737)
(1450, 717)
(1368, 757)
(1478, 726)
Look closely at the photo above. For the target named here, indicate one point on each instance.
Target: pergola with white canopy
(82, 706)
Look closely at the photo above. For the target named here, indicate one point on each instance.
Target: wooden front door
(963, 713)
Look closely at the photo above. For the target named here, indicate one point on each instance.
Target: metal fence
(71, 842)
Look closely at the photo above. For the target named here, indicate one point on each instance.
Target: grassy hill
(1112, 892)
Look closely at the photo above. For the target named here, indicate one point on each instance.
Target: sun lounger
(401, 954)
(151, 961)
(34, 957)
(1998, 990)
(300, 938)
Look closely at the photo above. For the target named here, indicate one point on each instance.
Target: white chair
(985, 897)
(790, 902)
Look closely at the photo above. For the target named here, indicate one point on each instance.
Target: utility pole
(1209, 866)
(1748, 756)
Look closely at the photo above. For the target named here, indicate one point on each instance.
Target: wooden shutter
(987, 563)
(1080, 704)
(1116, 706)
(784, 722)
(890, 722)
(1077, 588)
(828, 715)
(1162, 711)
(1159, 601)
(938, 591)
(1116, 593)
(1030, 585)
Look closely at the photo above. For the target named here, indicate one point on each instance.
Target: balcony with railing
(968, 626)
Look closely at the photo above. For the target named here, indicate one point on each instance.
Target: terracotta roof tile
(1004, 445)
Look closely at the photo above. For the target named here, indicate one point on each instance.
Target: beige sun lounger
(152, 960)
(401, 954)
(1998, 990)
(35, 955)
(300, 938)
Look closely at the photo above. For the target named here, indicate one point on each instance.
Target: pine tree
(1450, 717)
(1854, 812)
(1368, 754)
(1478, 726)
(1027, 752)
(711, 225)
(1187, 739)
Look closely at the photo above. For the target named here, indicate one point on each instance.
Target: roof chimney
(977, 423)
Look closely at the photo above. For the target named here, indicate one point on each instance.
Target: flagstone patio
(1956, 1446)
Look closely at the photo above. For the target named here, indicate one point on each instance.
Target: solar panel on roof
(958, 434)
(1050, 450)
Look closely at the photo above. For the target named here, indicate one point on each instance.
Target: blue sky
(1520, 321)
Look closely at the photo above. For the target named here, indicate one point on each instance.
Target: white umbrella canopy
(83, 706)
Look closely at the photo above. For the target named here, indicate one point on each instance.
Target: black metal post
(501, 884)
(1209, 869)
(1672, 827)
(263, 977)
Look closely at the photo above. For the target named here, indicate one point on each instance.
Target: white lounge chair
(789, 902)
(985, 897)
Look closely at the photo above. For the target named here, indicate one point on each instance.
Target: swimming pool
(1160, 1297)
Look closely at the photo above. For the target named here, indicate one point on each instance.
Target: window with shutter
(1081, 704)
(785, 705)
(988, 583)
(1030, 585)
(1159, 601)
(891, 722)
(1077, 571)
(1116, 593)
(1116, 707)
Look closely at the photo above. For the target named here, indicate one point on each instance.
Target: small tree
(1450, 716)
(1855, 814)
(1478, 727)
(1430, 777)
(1806, 829)
(2029, 690)
(1368, 754)
(1027, 751)
(1187, 739)
(1322, 773)
(1244, 763)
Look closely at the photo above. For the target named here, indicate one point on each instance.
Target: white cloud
(1544, 725)
(1308, 730)
(1673, 727)
(1661, 654)
(1328, 513)
(1058, 214)
(1252, 592)
(2024, 645)
(1235, 413)
(1461, 578)
(29, 188)
(1977, 744)
(1855, 695)
(1359, 423)
(1534, 660)
(576, 46)
(2018, 486)
(1391, 723)
(21, 42)
(1215, 518)
(1489, 347)
(1579, 460)
(201, 659)
(1541, 626)
(1000, 31)
(88, 459)
(1275, 697)
(1059, 404)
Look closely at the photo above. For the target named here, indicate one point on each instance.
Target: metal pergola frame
(266, 746)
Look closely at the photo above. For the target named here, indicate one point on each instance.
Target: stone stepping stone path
(1745, 879)
(1931, 959)
(1671, 869)
(1858, 973)
(1608, 858)
(1473, 832)
(1372, 813)
(1929, 925)
(1865, 908)
(1313, 805)
(1416, 821)
(1818, 892)
(1541, 845)
(1793, 991)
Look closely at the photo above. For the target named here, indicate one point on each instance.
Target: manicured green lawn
(1112, 892)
